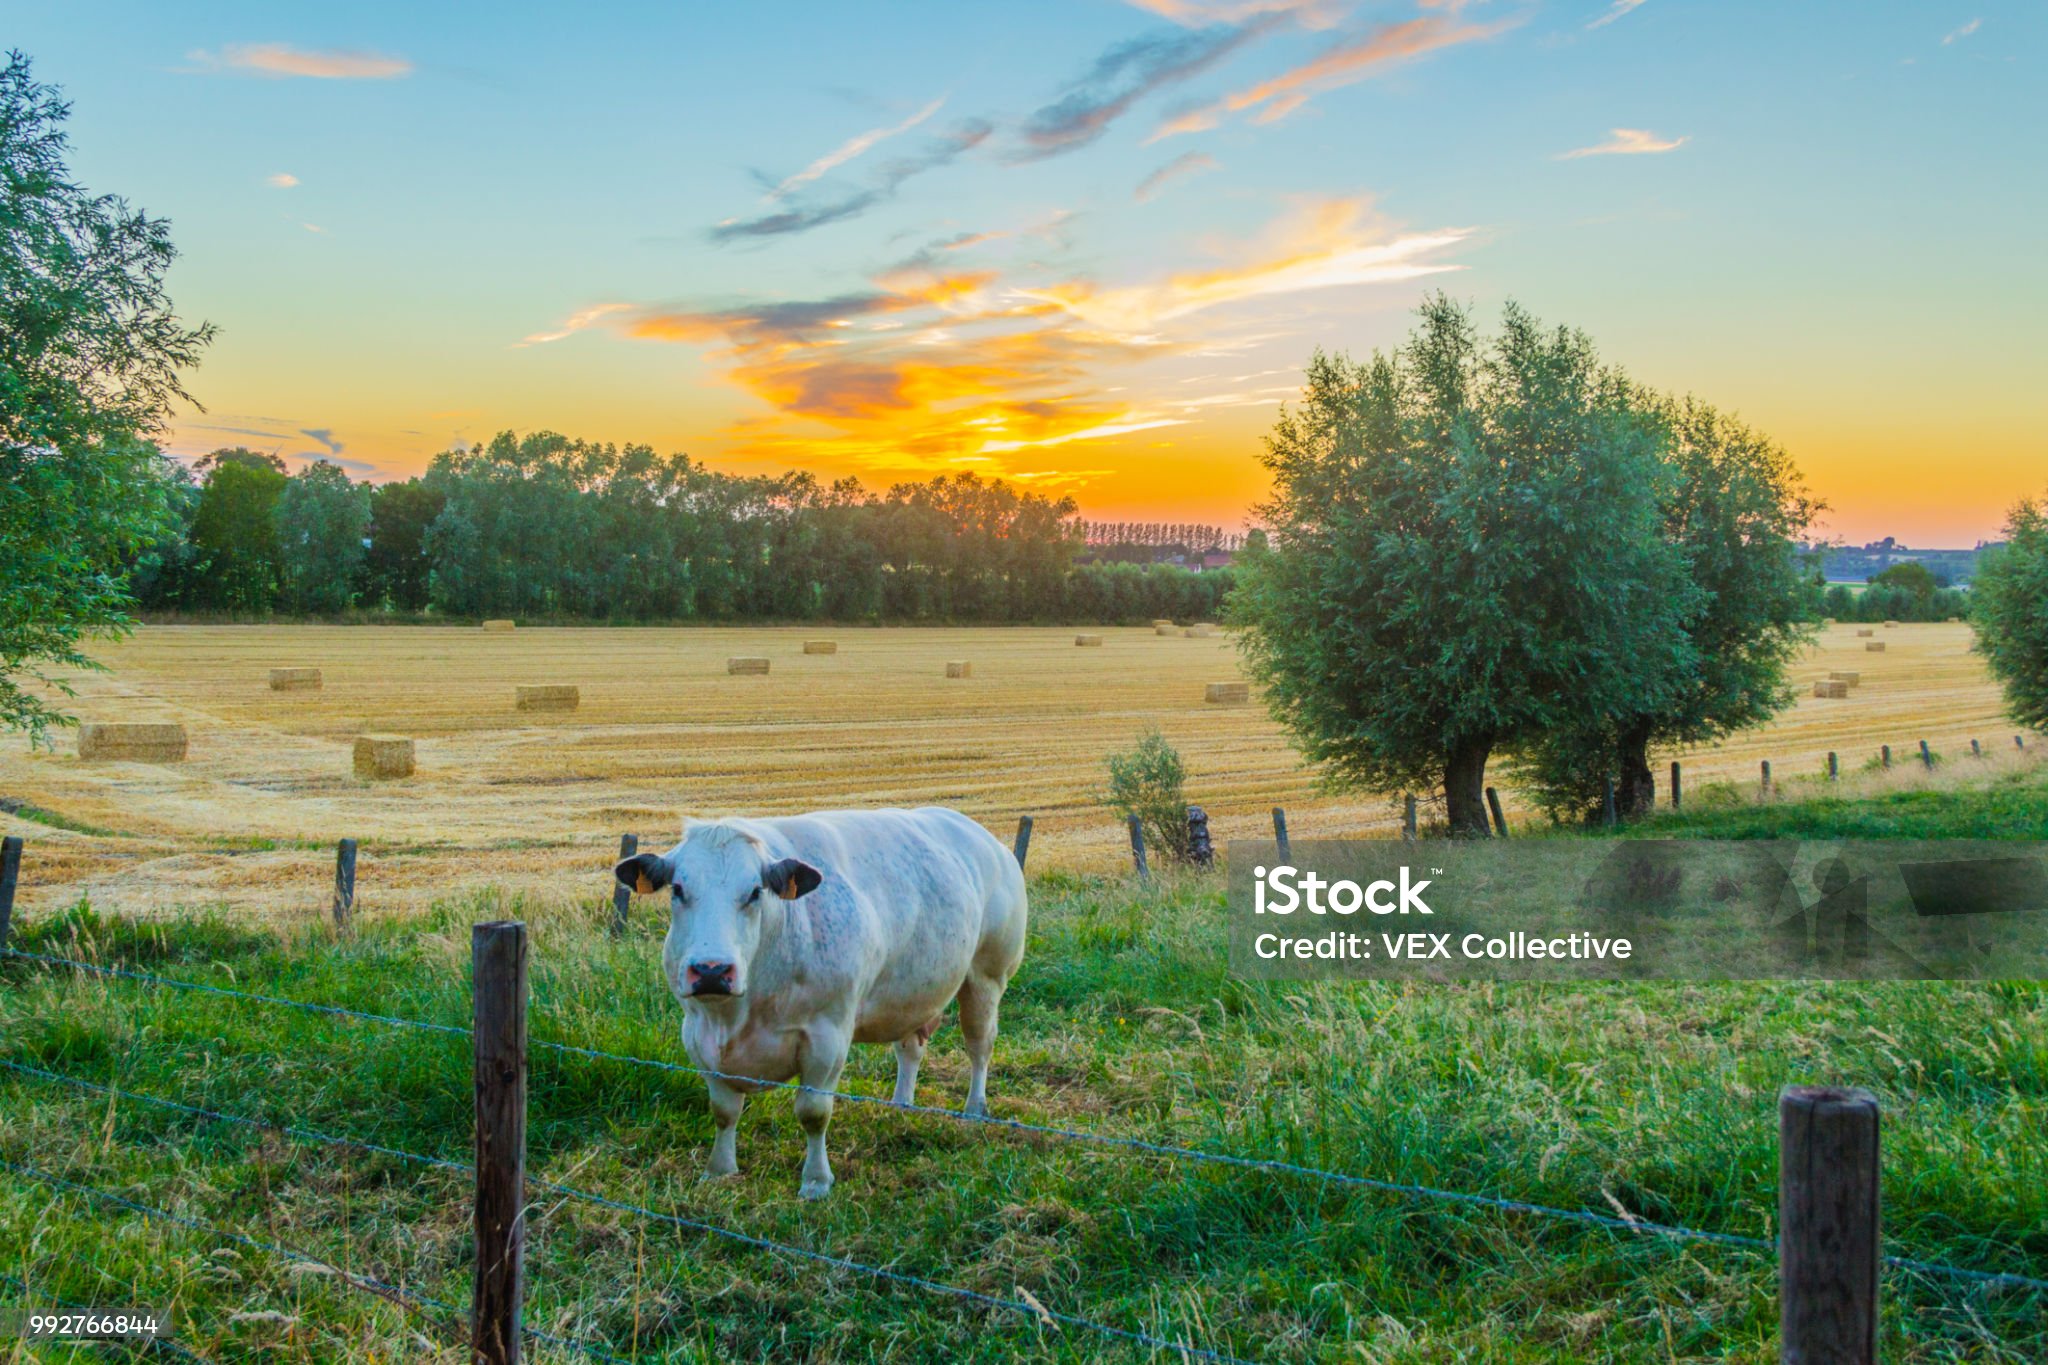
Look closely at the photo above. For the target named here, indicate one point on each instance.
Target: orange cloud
(281, 59)
(929, 368)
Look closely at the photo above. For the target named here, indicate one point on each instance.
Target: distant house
(1214, 559)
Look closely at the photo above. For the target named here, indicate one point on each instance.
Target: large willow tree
(1465, 552)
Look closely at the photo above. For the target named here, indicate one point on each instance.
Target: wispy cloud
(1325, 244)
(1965, 31)
(283, 180)
(804, 215)
(1125, 74)
(1626, 142)
(1344, 62)
(325, 436)
(576, 322)
(314, 228)
(849, 149)
(1182, 166)
(282, 60)
(1615, 11)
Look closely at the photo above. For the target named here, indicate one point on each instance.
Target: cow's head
(724, 888)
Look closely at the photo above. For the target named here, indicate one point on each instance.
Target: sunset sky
(1084, 245)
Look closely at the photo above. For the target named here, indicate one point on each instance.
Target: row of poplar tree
(542, 526)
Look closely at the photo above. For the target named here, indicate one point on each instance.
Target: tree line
(541, 526)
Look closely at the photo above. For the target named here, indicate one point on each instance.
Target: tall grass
(1655, 1099)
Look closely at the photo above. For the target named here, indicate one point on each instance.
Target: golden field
(535, 800)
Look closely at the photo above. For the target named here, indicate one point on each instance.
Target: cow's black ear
(790, 878)
(646, 873)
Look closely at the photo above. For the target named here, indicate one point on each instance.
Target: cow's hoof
(733, 1174)
(975, 1111)
(814, 1189)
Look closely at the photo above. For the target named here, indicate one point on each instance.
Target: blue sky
(1823, 216)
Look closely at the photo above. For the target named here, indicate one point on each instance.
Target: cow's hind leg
(824, 1057)
(726, 1103)
(979, 998)
(909, 1056)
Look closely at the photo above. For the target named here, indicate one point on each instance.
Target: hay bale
(959, 668)
(1889, 624)
(1865, 634)
(1200, 630)
(1161, 624)
(821, 646)
(295, 680)
(1874, 646)
(1165, 630)
(1227, 693)
(1088, 640)
(132, 741)
(545, 697)
(1849, 676)
(383, 756)
(501, 625)
(746, 663)
(1828, 687)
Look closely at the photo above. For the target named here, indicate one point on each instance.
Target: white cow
(791, 939)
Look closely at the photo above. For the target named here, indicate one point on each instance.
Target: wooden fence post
(1767, 777)
(10, 876)
(1280, 833)
(622, 894)
(344, 882)
(2019, 741)
(1023, 845)
(1607, 815)
(1828, 1253)
(1834, 769)
(1408, 818)
(498, 961)
(1884, 754)
(1138, 850)
(1500, 821)
(1926, 754)
(1976, 749)
(1674, 784)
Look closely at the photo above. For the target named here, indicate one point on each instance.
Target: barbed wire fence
(1028, 1309)
(1842, 1119)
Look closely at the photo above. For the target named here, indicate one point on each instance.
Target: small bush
(1148, 782)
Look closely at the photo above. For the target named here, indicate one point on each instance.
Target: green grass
(2011, 805)
(1659, 1099)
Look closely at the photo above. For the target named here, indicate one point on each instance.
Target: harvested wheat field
(537, 800)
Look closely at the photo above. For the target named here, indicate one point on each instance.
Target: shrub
(1148, 781)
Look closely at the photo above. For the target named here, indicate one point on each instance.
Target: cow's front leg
(726, 1103)
(824, 1057)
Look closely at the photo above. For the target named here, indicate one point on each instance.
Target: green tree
(2009, 607)
(1910, 576)
(90, 351)
(1735, 511)
(1465, 551)
(1149, 782)
(396, 565)
(323, 517)
(234, 528)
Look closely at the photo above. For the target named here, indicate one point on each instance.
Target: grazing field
(534, 799)
(1653, 1101)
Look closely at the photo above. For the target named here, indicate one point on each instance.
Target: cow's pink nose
(709, 978)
